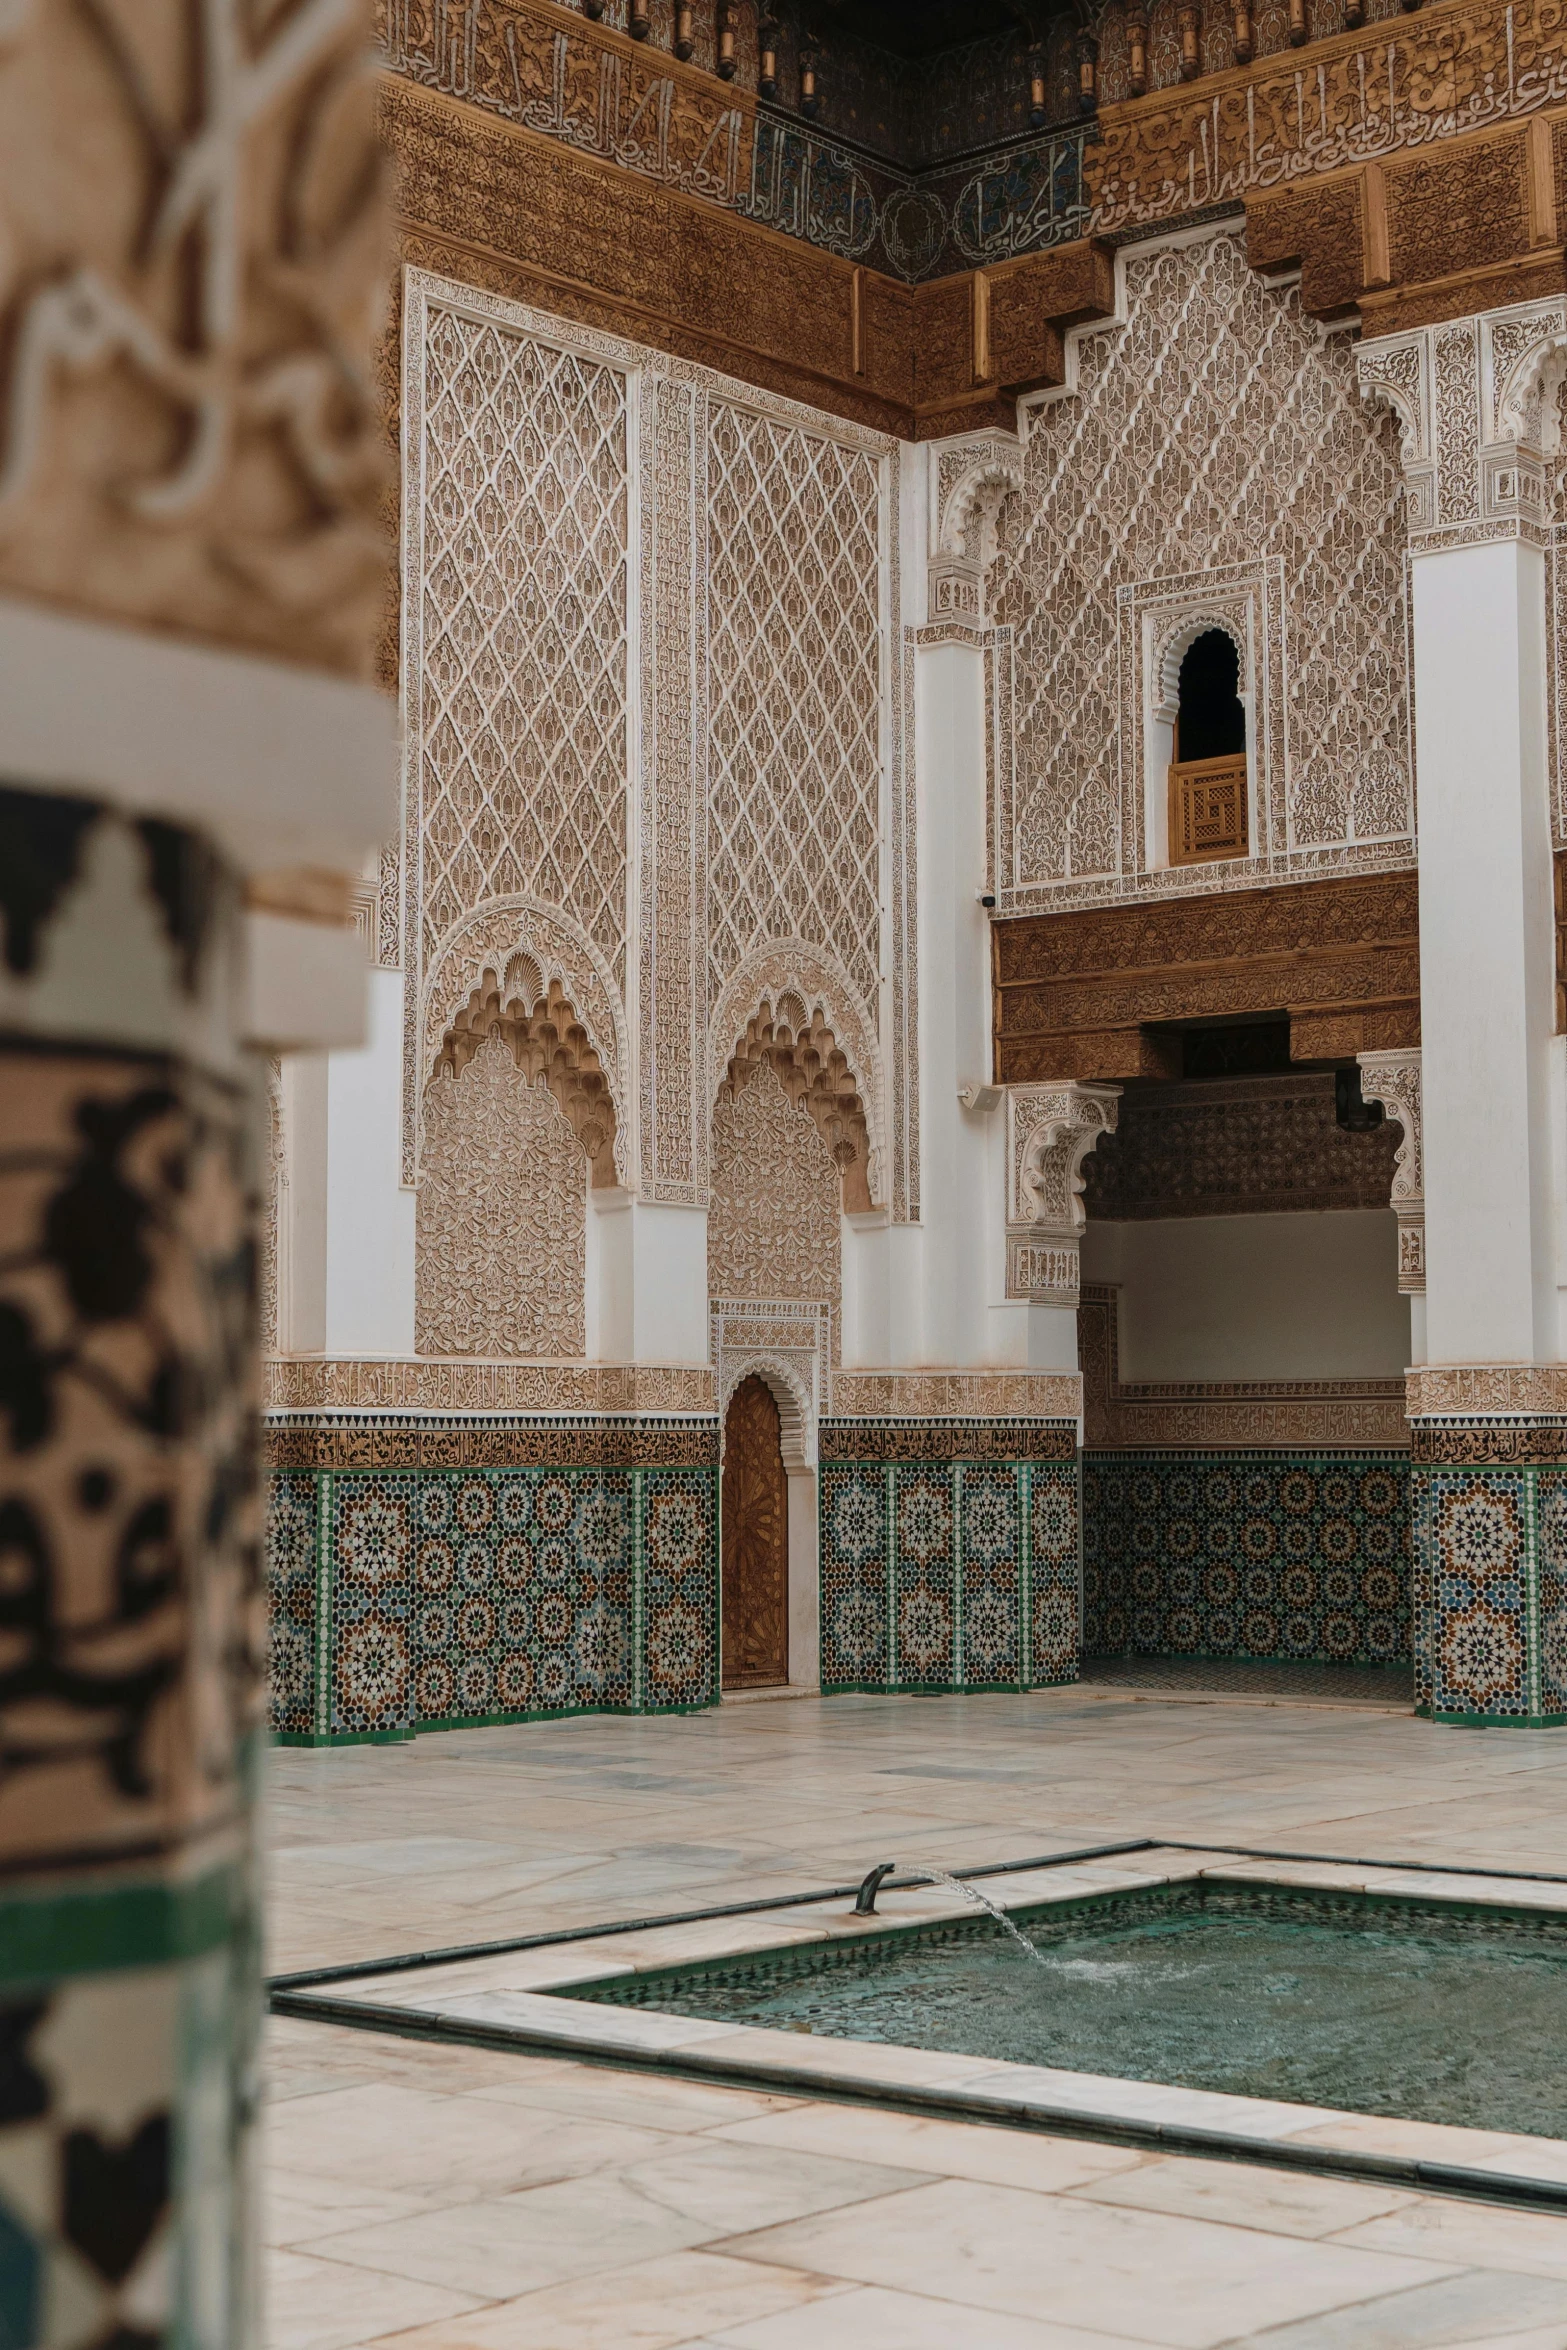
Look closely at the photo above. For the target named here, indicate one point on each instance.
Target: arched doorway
(755, 1520)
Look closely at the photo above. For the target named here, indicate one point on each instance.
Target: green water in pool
(1434, 2013)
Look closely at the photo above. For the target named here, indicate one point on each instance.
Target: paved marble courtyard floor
(452, 2196)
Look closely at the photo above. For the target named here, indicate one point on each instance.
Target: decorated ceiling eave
(1411, 170)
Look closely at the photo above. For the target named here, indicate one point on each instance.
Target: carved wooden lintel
(1082, 995)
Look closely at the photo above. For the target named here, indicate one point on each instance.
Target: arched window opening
(1208, 772)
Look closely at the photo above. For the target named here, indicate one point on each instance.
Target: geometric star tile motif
(943, 1575)
(1247, 1554)
(459, 1596)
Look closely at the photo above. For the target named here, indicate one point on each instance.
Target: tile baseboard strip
(932, 2102)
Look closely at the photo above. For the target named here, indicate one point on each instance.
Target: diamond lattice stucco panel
(524, 716)
(795, 692)
(1216, 426)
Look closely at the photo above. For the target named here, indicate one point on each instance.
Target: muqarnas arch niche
(518, 1122)
(790, 1152)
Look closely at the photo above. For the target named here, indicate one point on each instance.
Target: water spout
(971, 1893)
(865, 1900)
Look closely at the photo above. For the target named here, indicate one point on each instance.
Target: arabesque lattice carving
(539, 1027)
(814, 1075)
(501, 1249)
(523, 501)
(1476, 405)
(1218, 431)
(755, 672)
(795, 692)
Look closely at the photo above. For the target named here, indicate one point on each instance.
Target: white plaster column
(1468, 399)
(1477, 427)
(647, 1296)
(1487, 979)
(960, 1106)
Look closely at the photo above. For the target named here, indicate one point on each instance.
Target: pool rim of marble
(551, 2018)
(636, 1987)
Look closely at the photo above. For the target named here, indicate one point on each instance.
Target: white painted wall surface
(369, 1216)
(1256, 1297)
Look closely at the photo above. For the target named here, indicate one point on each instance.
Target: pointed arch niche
(518, 1124)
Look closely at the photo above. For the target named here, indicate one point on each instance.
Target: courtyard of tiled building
(452, 2195)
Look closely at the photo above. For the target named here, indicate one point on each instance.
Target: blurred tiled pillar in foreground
(192, 766)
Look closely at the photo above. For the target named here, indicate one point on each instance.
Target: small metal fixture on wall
(810, 91)
(1191, 60)
(1036, 89)
(767, 56)
(1087, 71)
(684, 39)
(726, 40)
(1137, 51)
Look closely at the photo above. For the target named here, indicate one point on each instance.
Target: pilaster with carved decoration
(1050, 1131)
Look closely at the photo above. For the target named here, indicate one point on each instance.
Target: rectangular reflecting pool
(1435, 2011)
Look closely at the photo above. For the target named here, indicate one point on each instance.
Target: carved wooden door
(755, 1543)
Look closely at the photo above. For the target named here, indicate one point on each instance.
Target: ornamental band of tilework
(949, 1573)
(437, 1596)
(1247, 1554)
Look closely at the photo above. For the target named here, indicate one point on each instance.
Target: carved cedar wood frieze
(1075, 993)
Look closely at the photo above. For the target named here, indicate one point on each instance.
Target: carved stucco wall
(526, 511)
(1215, 453)
(795, 630)
(773, 1230)
(502, 1216)
(626, 586)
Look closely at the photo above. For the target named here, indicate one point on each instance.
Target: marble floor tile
(1472, 2235)
(1280, 2202)
(313, 2304)
(652, 2306)
(875, 2319)
(516, 2243)
(963, 2150)
(407, 2141)
(1474, 2310)
(298, 2206)
(733, 2189)
(1139, 2273)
